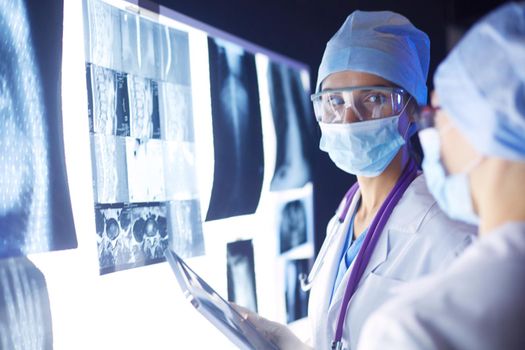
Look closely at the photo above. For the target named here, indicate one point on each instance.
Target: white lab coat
(478, 303)
(418, 239)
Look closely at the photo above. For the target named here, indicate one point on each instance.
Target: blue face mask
(364, 148)
(452, 192)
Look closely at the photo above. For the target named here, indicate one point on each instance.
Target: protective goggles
(366, 103)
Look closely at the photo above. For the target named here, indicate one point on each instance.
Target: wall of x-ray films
(148, 131)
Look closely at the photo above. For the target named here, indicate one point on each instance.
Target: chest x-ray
(293, 127)
(237, 131)
(35, 209)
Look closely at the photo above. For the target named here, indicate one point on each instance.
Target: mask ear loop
(409, 123)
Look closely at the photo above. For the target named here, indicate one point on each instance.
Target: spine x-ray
(237, 131)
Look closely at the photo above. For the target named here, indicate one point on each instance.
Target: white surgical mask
(452, 192)
(364, 148)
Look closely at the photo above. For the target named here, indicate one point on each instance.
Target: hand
(277, 333)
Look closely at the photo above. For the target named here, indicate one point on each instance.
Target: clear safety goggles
(366, 103)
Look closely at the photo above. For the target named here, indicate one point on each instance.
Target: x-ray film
(175, 56)
(144, 107)
(129, 26)
(25, 312)
(241, 274)
(180, 172)
(130, 235)
(293, 127)
(35, 208)
(103, 35)
(176, 112)
(296, 298)
(186, 228)
(237, 131)
(149, 49)
(109, 168)
(293, 226)
(108, 101)
(145, 165)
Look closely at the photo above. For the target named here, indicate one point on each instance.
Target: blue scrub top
(349, 252)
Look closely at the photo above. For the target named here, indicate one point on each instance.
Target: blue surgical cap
(481, 84)
(382, 43)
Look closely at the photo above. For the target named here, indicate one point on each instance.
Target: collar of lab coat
(407, 217)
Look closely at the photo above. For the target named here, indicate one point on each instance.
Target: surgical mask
(452, 192)
(363, 148)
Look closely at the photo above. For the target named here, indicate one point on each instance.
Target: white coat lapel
(322, 290)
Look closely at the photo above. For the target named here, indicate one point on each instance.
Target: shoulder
(418, 212)
(443, 310)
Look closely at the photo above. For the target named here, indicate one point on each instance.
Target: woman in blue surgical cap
(475, 166)
(388, 228)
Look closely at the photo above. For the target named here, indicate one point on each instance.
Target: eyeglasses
(366, 103)
(425, 117)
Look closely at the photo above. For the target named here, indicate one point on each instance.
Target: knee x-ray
(35, 209)
(237, 131)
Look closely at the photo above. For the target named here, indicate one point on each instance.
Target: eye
(375, 98)
(335, 100)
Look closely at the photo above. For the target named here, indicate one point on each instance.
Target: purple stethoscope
(363, 257)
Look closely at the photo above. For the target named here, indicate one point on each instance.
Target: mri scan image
(149, 49)
(130, 235)
(185, 227)
(241, 274)
(176, 112)
(145, 169)
(144, 107)
(293, 225)
(129, 28)
(103, 34)
(237, 131)
(296, 299)
(108, 101)
(175, 56)
(180, 172)
(293, 127)
(35, 208)
(109, 168)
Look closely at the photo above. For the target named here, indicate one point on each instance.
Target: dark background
(300, 29)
